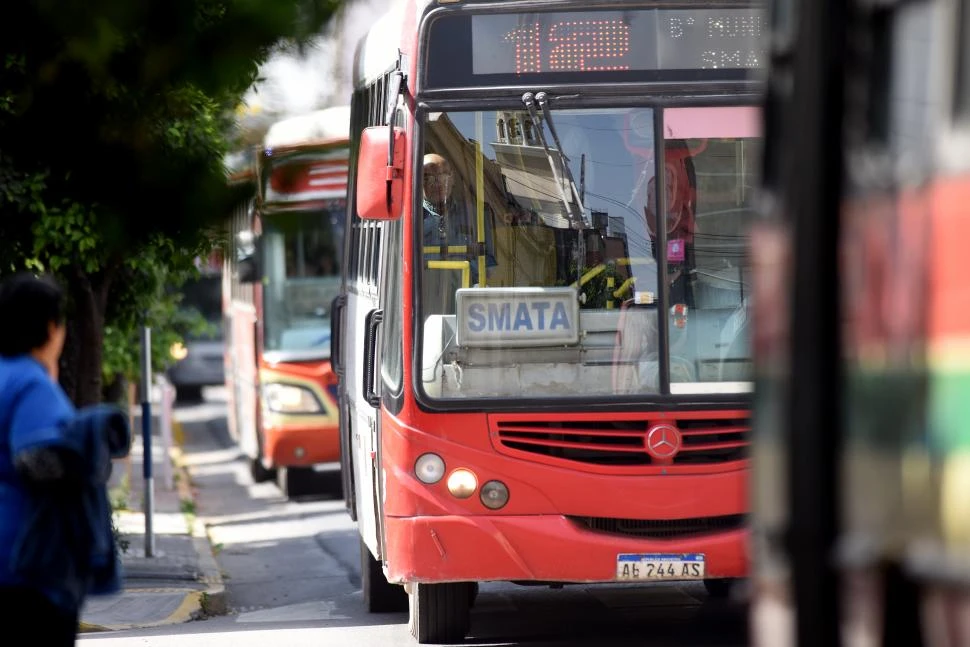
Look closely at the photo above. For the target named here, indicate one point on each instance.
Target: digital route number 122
(571, 45)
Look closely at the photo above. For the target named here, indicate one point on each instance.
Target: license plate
(659, 566)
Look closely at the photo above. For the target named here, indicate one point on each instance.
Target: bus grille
(662, 528)
(706, 440)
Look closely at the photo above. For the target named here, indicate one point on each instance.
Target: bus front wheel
(380, 596)
(260, 472)
(440, 613)
(295, 481)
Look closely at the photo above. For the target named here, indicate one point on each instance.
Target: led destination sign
(618, 41)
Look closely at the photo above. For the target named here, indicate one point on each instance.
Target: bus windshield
(301, 266)
(542, 259)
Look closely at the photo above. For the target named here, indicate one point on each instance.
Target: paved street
(291, 570)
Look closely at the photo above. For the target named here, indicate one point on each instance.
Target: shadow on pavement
(713, 623)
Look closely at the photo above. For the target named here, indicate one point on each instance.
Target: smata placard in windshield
(617, 41)
(505, 317)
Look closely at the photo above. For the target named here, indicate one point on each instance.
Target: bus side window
(354, 249)
(362, 254)
(375, 263)
(957, 136)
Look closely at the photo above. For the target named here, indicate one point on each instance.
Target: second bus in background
(280, 283)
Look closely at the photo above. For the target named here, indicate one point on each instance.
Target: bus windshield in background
(540, 265)
(301, 269)
(671, 44)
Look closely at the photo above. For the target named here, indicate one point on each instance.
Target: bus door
(245, 343)
(364, 304)
(241, 340)
(373, 279)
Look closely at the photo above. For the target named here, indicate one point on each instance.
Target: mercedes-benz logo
(663, 442)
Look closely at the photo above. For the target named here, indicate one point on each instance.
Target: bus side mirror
(380, 173)
(247, 262)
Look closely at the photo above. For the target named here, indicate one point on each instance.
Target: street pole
(146, 432)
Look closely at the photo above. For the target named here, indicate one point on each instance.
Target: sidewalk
(181, 580)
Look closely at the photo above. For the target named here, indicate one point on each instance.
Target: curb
(212, 601)
(191, 608)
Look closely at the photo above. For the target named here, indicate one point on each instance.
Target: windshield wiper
(575, 210)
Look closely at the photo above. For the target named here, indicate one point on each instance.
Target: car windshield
(203, 296)
(541, 260)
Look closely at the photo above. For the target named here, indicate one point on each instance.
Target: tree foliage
(115, 118)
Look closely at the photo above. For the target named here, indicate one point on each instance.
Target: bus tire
(440, 613)
(259, 472)
(720, 588)
(380, 596)
(336, 484)
(295, 481)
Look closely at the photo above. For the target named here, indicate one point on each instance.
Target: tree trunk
(84, 346)
(116, 391)
(67, 372)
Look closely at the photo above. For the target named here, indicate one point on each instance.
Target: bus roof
(320, 126)
(240, 165)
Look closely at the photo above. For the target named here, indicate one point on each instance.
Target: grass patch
(187, 506)
(121, 541)
(188, 509)
(120, 495)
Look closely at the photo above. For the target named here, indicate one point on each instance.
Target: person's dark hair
(28, 305)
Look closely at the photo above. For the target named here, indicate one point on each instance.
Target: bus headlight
(494, 495)
(289, 398)
(429, 468)
(462, 483)
(178, 351)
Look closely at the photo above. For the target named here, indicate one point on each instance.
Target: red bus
(540, 380)
(279, 287)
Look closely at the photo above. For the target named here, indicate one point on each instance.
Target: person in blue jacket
(56, 543)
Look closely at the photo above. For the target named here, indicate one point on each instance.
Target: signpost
(146, 431)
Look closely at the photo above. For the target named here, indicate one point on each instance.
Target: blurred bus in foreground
(861, 524)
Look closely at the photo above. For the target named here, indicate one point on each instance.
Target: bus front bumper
(539, 548)
(293, 445)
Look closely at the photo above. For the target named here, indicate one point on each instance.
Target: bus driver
(447, 223)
